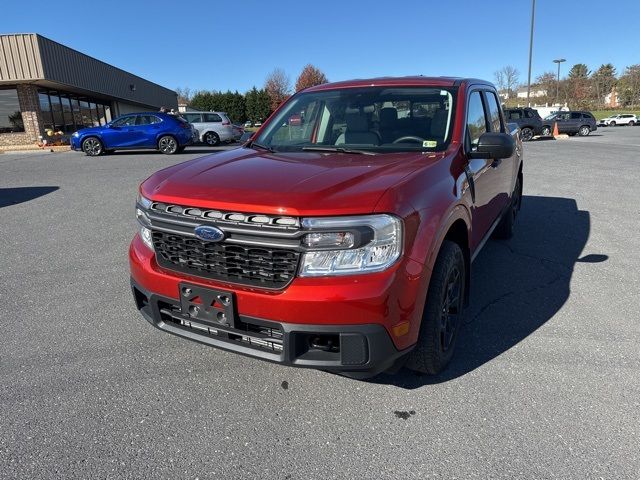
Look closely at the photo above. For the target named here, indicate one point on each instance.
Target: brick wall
(31, 116)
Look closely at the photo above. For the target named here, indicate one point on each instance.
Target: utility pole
(558, 61)
(533, 14)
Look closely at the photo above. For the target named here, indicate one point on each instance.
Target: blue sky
(234, 44)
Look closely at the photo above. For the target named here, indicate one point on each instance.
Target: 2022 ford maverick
(341, 236)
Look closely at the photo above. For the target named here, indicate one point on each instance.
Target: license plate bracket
(209, 305)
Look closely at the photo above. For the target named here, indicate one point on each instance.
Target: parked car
(621, 119)
(570, 122)
(257, 124)
(248, 124)
(213, 127)
(347, 247)
(527, 119)
(167, 133)
(238, 131)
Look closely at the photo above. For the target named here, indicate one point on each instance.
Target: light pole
(533, 14)
(558, 61)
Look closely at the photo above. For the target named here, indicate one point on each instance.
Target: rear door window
(476, 119)
(147, 120)
(212, 117)
(575, 115)
(125, 121)
(192, 117)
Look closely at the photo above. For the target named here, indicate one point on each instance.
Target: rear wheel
(168, 145)
(211, 138)
(92, 147)
(443, 312)
(505, 228)
(526, 133)
(584, 131)
(632, 123)
(546, 131)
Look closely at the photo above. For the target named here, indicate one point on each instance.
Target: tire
(443, 312)
(612, 124)
(526, 134)
(168, 145)
(92, 147)
(505, 228)
(546, 131)
(584, 131)
(632, 123)
(211, 138)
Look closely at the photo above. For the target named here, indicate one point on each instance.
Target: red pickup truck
(344, 242)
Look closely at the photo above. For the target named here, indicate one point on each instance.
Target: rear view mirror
(494, 145)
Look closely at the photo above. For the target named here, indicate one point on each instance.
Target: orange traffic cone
(555, 129)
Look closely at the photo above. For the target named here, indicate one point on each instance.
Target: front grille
(256, 266)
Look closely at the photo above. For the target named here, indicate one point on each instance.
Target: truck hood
(297, 184)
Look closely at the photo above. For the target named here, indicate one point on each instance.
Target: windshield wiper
(337, 149)
(261, 147)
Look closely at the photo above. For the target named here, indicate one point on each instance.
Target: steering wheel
(409, 137)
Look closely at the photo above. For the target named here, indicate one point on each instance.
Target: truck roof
(413, 81)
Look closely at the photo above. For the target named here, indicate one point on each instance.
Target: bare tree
(184, 94)
(507, 79)
(278, 87)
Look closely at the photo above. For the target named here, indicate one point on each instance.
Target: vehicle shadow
(13, 196)
(516, 286)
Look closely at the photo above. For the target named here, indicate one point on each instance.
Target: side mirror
(107, 125)
(246, 136)
(494, 145)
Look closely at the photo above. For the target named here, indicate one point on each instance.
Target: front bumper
(385, 305)
(360, 351)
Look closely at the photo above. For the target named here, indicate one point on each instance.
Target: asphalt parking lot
(546, 382)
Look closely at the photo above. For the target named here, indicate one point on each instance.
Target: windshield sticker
(429, 144)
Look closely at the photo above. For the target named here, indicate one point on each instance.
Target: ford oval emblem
(209, 234)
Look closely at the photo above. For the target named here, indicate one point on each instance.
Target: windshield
(375, 119)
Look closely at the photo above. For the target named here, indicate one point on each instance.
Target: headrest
(356, 122)
(388, 115)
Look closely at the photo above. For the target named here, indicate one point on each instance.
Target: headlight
(382, 234)
(144, 202)
(145, 235)
(143, 219)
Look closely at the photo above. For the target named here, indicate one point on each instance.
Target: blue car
(167, 133)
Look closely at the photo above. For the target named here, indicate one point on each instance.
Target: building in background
(46, 86)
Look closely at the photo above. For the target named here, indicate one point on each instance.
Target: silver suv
(213, 127)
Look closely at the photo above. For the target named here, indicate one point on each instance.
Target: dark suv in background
(571, 123)
(527, 119)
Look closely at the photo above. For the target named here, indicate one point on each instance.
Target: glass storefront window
(45, 108)
(63, 111)
(94, 114)
(69, 127)
(10, 116)
(56, 110)
(77, 114)
(101, 116)
(87, 121)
